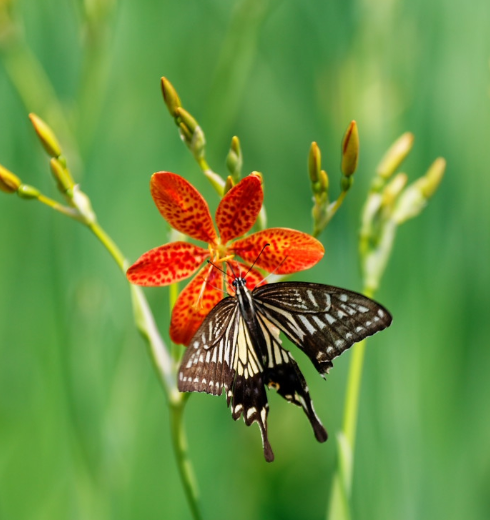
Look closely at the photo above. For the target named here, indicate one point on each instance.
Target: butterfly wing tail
(287, 379)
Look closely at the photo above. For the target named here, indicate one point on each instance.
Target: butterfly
(237, 347)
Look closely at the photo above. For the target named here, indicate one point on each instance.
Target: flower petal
(238, 210)
(289, 251)
(194, 303)
(167, 264)
(254, 278)
(182, 206)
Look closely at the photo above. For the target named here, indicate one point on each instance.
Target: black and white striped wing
(221, 356)
(322, 320)
(283, 374)
(247, 395)
(207, 365)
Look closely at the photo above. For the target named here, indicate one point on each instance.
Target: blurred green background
(83, 421)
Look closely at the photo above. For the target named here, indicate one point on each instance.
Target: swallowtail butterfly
(237, 348)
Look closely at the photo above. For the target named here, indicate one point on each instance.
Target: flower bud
(187, 119)
(234, 159)
(9, 183)
(393, 189)
(350, 150)
(324, 181)
(395, 155)
(62, 176)
(314, 162)
(28, 192)
(228, 184)
(170, 97)
(433, 177)
(46, 136)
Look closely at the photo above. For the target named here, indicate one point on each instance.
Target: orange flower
(183, 207)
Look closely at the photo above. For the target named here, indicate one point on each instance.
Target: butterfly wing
(207, 365)
(283, 374)
(322, 320)
(247, 395)
(221, 355)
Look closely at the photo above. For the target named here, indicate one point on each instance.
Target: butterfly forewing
(207, 365)
(322, 320)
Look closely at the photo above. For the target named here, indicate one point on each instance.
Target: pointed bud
(433, 177)
(234, 160)
(393, 189)
(395, 155)
(46, 136)
(185, 135)
(314, 162)
(323, 179)
(187, 119)
(62, 176)
(350, 150)
(28, 192)
(170, 97)
(9, 182)
(228, 184)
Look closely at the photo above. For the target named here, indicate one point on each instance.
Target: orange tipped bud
(9, 183)
(46, 136)
(170, 97)
(350, 150)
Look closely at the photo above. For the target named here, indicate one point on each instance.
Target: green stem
(163, 364)
(179, 442)
(342, 482)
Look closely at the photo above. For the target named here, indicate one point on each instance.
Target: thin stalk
(162, 362)
(342, 482)
(179, 442)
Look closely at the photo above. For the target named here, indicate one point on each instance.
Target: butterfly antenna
(255, 261)
(219, 269)
(270, 274)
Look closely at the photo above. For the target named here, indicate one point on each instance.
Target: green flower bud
(234, 159)
(170, 97)
(228, 184)
(62, 176)
(314, 162)
(28, 192)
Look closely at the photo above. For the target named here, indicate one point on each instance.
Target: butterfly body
(237, 348)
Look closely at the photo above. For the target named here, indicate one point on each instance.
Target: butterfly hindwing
(283, 374)
(322, 320)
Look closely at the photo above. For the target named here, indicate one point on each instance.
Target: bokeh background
(83, 421)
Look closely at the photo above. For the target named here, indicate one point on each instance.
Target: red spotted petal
(289, 251)
(194, 303)
(254, 278)
(182, 206)
(167, 264)
(239, 208)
